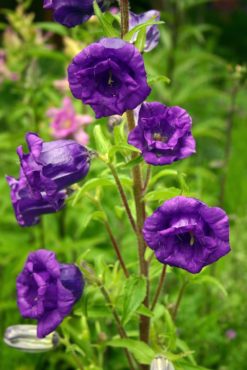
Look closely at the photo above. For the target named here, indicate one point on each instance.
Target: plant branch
(121, 330)
(111, 235)
(116, 248)
(158, 291)
(123, 195)
(124, 11)
(179, 299)
(148, 175)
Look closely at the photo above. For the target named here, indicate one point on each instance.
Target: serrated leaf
(133, 295)
(141, 351)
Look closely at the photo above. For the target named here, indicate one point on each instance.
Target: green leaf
(52, 27)
(129, 36)
(102, 143)
(106, 20)
(141, 351)
(122, 148)
(141, 40)
(163, 173)
(206, 279)
(162, 194)
(133, 295)
(153, 79)
(91, 185)
(143, 310)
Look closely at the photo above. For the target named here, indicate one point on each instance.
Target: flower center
(192, 238)
(158, 137)
(66, 123)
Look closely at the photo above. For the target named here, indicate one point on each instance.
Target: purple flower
(53, 166)
(47, 290)
(186, 233)
(152, 34)
(70, 13)
(109, 76)
(163, 134)
(29, 207)
(66, 123)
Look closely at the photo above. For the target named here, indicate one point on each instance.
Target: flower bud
(161, 363)
(24, 338)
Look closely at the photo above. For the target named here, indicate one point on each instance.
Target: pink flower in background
(5, 73)
(231, 334)
(67, 123)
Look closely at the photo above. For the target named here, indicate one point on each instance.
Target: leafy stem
(111, 236)
(123, 195)
(158, 291)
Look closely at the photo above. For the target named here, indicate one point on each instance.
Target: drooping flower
(152, 33)
(53, 166)
(163, 134)
(109, 76)
(186, 233)
(67, 124)
(47, 290)
(71, 13)
(29, 207)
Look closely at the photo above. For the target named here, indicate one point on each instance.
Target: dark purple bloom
(53, 166)
(153, 33)
(29, 207)
(47, 290)
(163, 134)
(110, 76)
(186, 233)
(70, 13)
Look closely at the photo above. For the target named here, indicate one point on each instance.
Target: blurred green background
(203, 50)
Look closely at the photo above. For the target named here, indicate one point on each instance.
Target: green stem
(111, 235)
(148, 176)
(179, 299)
(116, 248)
(122, 195)
(158, 291)
(121, 330)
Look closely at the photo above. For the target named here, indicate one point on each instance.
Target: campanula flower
(53, 166)
(110, 76)
(29, 207)
(47, 290)
(152, 33)
(186, 233)
(71, 13)
(163, 134)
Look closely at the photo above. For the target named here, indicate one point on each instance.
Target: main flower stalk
(138, 196)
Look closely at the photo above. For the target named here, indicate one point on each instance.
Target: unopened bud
(24, 338)
(161, 363)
